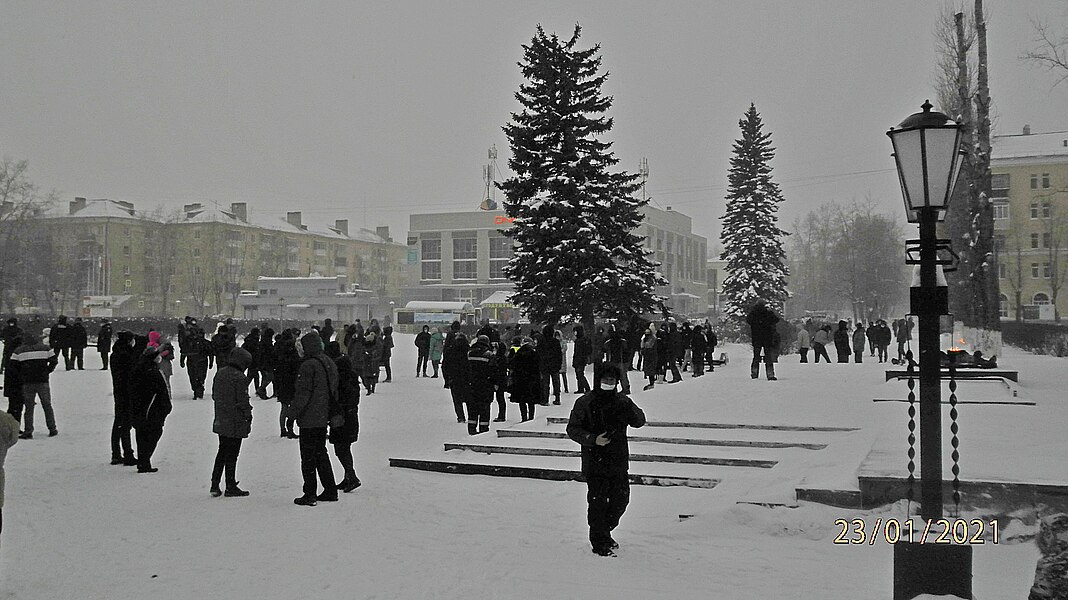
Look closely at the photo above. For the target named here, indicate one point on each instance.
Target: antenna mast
(489, 175)
(643, 172)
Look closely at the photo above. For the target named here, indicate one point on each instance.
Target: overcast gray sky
(371, 111)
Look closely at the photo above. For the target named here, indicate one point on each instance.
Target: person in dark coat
(650, 358)
(59, 340)
(233, 420)
(13, 383)
(251, 344)
(266, 362)
(387, 352)
(450, 353)
(860, 335)
(482, 364)
(615, 354)
(882, 340)
(343, 436)
(150, 403)
(286, 367)
(841, 341)
(550, 358)
(223, 343)
(199, 356)
(103, 344)
(315, 400)
(123, 360)
(422, 343)
(33, 364)
(79, 341)
(580, 357)
(327, 332)
(711, 341)
(372, 347)
(598, 423)
(526, 378)
(698, 346)
(673, 346)
(10, 334)
(458, 373)
(762, 322)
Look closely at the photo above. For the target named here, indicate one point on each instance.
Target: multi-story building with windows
(198, 261)
(461, 257)
(1029, 184)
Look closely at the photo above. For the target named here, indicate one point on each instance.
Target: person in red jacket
(599, 422)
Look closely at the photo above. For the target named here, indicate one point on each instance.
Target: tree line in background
(847, 257)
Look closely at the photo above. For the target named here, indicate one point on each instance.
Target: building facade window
(464, 258)
(999, 242)
(1034, 181)
(1046, 210)
(196, 252)
(430, 255)
(1045, 181)
(1046, 239)
(1034, 271)
(1034, 210)
(1034, 240)
(1001, 210)
(196, 234)
(1040, 298)
(999, 187)
(1003, 306)
(1003, 271)
(500, 253)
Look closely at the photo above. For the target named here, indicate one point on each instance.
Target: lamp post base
(932, 569)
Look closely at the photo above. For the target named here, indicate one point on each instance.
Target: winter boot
(305, 501)
(214, 490)
(116, 460)
(770, 367)
(755, 372)
(472, 428)
(232, 491)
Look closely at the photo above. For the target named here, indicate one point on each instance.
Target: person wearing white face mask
(599, 422)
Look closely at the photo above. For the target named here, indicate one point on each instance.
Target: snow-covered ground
(78, 528)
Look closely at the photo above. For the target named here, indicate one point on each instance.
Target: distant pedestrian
(698, 347)
(79, 341)
(103, 343)
(59, 340)
(841, 341)
(860, 335)
(458, 373)
(762, 323)
(233, 420)
(870, 333)
(266, 364)
(804, 342)
(882, 340)
(286, 367)
(422, 344)
(580, 357)
(550, 357)
(650, 357)
(387, 352)
(327, 332)
(526, 378)
(10, 336)
(482, 383)
(437, 347)
(599, 422)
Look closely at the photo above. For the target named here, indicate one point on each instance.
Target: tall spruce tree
(752, 240)
(576, 254)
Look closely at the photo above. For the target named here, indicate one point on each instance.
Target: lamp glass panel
(941, 156)
(909, 154)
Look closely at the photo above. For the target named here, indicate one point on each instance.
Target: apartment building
(1029, 184)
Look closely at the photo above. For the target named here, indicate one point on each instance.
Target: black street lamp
(928, 157)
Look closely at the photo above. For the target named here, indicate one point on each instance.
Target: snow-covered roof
(101, 208)
(212, 214)
(498, 297)
(304, 279)
(1034, 145)
(429, 305)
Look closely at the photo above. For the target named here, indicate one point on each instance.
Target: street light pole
(927, 156)
(281, 314)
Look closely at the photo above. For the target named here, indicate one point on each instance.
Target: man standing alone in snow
(599, 423)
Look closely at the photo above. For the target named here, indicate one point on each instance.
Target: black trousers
(819, 350)
(421, 363)
(389, 370)
(500, 401)
(581, 383)
(607, 496)
(104, 359)
(526, 410)
(67, 364)
(343, 452)
(314, 460)
(121, 447)
(197, 369)
(458, 398)
(77, 357)
(804, 355)
(226, 459)
(147, 439)
(15, 405)
(478, 410)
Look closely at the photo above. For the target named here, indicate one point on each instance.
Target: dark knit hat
(312, 343)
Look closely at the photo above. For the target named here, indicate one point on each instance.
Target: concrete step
(540, 472)
(750, 426)
(520, 433)
(634, 457)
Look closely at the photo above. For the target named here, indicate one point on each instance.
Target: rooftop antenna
(489, 175)
(643, 172)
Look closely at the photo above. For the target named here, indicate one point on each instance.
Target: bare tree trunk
(958, 215)
(986, 267)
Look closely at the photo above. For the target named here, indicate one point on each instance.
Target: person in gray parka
(233, 419)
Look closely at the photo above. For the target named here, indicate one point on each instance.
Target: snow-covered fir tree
(576, 254)
(752, 240)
